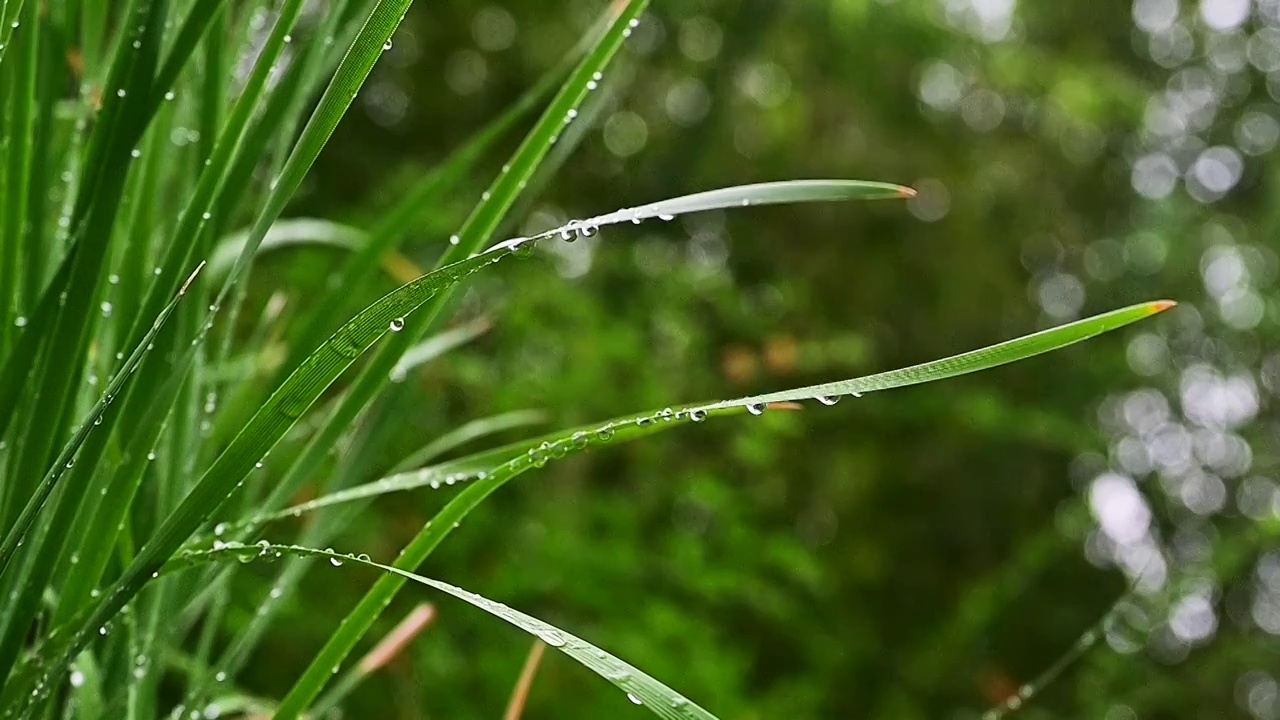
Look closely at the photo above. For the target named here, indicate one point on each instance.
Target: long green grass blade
(528, 454)
(640, 688)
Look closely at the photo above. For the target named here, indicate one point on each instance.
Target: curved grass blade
(315, 534)
(286, 233)
(769, 193)
(541, 449)
(641, 688)
(737, 196)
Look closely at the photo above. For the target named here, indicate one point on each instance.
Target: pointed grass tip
(191, 278)
(1158, 306)
(906, 192)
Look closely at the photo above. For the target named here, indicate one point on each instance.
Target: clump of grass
(131, 464)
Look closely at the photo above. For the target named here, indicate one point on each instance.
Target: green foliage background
(915, 554)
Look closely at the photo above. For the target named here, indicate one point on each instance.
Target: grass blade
(524, 455)
(641, 688)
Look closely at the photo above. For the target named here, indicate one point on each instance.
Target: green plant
(132, 446)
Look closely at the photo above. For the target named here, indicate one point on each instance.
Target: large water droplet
(828, 399)
(397, 325)
(756, 408)
(697, 414)
(632, 697)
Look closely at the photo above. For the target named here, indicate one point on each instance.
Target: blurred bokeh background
(915, 554)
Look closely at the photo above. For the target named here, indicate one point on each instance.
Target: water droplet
(120, 93)
(397, 325)
(642, 421)
(169, 95)
(206, 216)
(454, 239)
(828, 399)
(333, 560)
(276, 593)
(219, 529)
(856, 394)
(604, 434)
(579, 439)
(220, 676)
(697, 414)
(77, 678)
(666, 414)
(387, 45)
(364, 557)
(634, 699)
(756, 408)
(135, 153)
